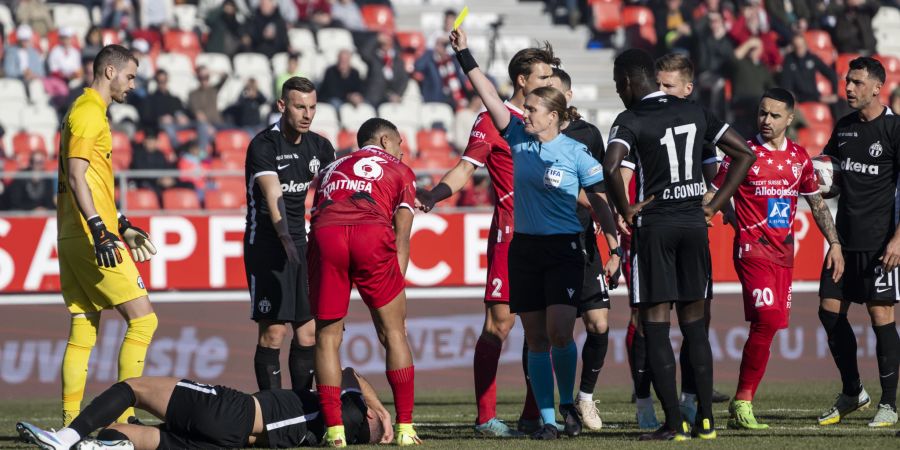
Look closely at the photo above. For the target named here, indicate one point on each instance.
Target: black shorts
(864, 280)
(544, 270)
(670, 264)
(279, 290)
(594, 291)
(204, 416)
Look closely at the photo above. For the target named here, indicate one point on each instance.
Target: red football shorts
(767, 290)
(342, 255)
(497, 288)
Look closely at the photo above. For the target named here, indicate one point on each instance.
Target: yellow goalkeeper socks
(82, 337)
(134, 350)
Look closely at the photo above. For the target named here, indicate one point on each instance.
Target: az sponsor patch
(779, 213)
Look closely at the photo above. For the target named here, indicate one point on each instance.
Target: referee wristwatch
(618, 252)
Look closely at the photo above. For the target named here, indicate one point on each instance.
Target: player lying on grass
(198, 415)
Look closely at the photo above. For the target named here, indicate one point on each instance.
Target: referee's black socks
(104, 409)
(696, 341)
(662, 362)
(887, 349)
(302, 362)
(267, 368)
(842, 343)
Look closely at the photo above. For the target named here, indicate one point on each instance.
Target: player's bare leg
(302, 358)
(266, 362)
(887, 350)
(82, 338)
(142, 324)
(593, 354)
(329, 335)
(390, 322)
(842, 343)
(498, 321)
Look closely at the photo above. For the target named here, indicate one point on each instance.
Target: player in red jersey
(763, 218)
(361, 225)
(529, 69)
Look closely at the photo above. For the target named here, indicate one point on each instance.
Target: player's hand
(384, 417)
(106, 244)
(835, 260)
(137, 240)
(891, 258)
(612, 271)
(290, 249)
(424, 200)
(623, 227)
(730, 218)
(458, 40)
(708, 213)
(634, 209)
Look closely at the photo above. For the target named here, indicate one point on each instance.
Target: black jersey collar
(654, 95)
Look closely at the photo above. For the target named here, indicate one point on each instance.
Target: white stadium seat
(120, 112)
(465, 118)
(185, 16)
(585, 92)
(432, 112)
(413, 94)
(74, 16)
(352, 117)
(302, 40)
(229, 92)
(181, 85)
(37, 93)
(326, 115)
(175, 63)
(251, 64)
(9, 117)
(219, 65)
(6, 19)
(12, 91)
(332, 40)
(401, 114)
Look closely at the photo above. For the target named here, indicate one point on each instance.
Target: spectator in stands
(673, 30)
(87, 77)
(36, 15)
(268, 29)
(713, 52)
(444, 31)
(192, 168)
(140, 48)
(440, 77)
(798, 73)
(793, 14)
(387, 78)
(346, 13)
(853, 31)
(754, 22)
(203, 102)
(93, 43)
(155, 15)
(750, 79)
(226, 29)
(118, 15)
(313, 13)
(22, 60)
(163, 111)
(293, 70)
(35, 192)
(64, 60)
(245, 112)
(478, 195)
(342, 83)
(148, 156)
(706, 7)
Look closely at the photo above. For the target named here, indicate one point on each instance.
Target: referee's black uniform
(278, 289)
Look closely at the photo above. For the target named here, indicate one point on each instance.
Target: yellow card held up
(462, 16)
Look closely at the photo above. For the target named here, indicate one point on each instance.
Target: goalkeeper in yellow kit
(95, 271)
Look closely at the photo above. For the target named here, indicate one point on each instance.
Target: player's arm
(403, 220)
(483, 86)
(454, 180)
(742, 158)
(271, 191)
(350, 379)
(600, 204)
(835, 258)
(615, 184)
(106, 244)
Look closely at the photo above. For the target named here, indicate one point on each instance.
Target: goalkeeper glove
(137, 239)
(106, 244)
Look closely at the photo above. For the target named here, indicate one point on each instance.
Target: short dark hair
(781, 95)
(297, 84)
(113, 55)
(637, 65)
(870, 65)
(564, 78)
(371, 128)
(521, 63)
(676, 62)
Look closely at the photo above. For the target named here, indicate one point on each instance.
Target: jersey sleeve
(623, 131)
(715, 128)
(261, 158)
(407, 198)
(85, 126)
(590, 171)
(709, 154)
(808, 184)
(515, 132)
(597, 148)
(831, 146)
(478, 149)
(720, 175)
(327, 154)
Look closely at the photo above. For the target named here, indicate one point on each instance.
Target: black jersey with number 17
(665, 136)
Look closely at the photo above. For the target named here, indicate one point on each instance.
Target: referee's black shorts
(544, 270)
(204, 416)
(864, 279)
(670, 264)
(594, 291)
(279, 290)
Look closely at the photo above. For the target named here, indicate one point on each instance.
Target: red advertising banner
(205, 252)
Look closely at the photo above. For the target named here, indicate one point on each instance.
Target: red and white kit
(486, 148)
(765, 205)
(352, 238)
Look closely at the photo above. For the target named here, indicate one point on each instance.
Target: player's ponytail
(572, 113)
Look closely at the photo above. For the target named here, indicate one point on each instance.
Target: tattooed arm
(835, 258)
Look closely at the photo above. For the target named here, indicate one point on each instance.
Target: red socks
(330, 400)
(755, 359)
(402, 383)
(487, 356)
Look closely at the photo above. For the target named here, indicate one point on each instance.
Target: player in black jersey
(670, 247)
(282, 162)
(867, 143)
(594, 304)
(202, 416)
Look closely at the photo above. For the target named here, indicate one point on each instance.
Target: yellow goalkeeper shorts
(87, 287)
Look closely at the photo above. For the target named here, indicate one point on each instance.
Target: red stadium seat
(185, 136)
(412, 42)
(891, 64)
(378, 17)
(180, 198)
(121, 150)
(432, 141)
(819, 43)
(221, 199)
(9, 167)
(232, 141)
(607, 15)
(184, 42)
(142, 199)
(823, 85)
(346, 140)
(889, 86)
(226, 164)
(842, 67)
(813, 139)
(639, 19)
(816, 114)
(25, 142)
(165, 146)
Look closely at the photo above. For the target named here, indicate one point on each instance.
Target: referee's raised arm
(483, 86)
